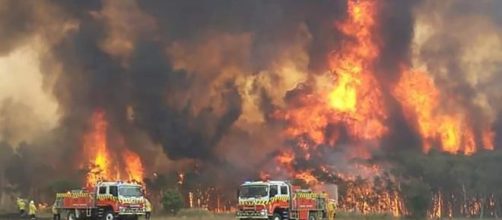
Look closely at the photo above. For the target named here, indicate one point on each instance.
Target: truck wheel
(312, 216)
(277, 216)
(108, 216)
(71, 216)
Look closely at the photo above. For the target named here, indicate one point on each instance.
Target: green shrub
(172, 201)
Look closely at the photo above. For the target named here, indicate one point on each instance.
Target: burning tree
(104, 163)
(354, 112)
(394, 101)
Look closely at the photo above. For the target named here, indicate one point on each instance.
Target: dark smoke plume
(201, 80)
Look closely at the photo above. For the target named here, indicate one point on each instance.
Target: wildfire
(488, 137)
(354, 106)
(355, 100)
(366, 197)
(104, 165)
(95, 147)
(133, 165)
(310, 120)
(286, 158)
(307, 177)
(420, 100)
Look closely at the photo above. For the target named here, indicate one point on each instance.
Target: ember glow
(105, 165)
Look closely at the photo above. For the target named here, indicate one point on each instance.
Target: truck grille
(129, 210)
(249, 213)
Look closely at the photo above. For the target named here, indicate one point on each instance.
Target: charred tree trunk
(496, 207)
(482, 204)
(2, 193)
(464, 211)
(458, 204)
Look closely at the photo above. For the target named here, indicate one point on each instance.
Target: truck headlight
(263, 212)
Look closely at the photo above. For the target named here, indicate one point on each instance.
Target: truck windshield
(254, 191)
(130, 191)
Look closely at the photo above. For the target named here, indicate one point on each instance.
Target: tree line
(439, 184)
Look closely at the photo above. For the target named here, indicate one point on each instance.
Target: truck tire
(312, 216)
(276, 216)
(108, 215)
(71, 216)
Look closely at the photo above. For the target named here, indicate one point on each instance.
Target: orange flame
(133, 165)
(309, 120)
(95, 147)
(286, 158)
(307, 177)
(356, 97)
(104, 164)
(420, 100)
(355, 100)
(488, 137)
(355, 103)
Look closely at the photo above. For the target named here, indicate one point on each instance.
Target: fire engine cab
(280, 200)
(105, 200)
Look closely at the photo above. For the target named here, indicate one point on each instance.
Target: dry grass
(194, 214)
(195, 218)
(155, 217)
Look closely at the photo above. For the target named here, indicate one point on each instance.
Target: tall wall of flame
(216, 81)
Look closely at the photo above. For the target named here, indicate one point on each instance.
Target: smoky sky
(273, 23)
(94, 79)
(396, 28)
(154, 88)
(161, 94)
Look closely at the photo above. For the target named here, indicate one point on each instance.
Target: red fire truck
(280, 200)
(105, 200)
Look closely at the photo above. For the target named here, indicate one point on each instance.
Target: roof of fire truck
(117, 183)
(268, 182)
